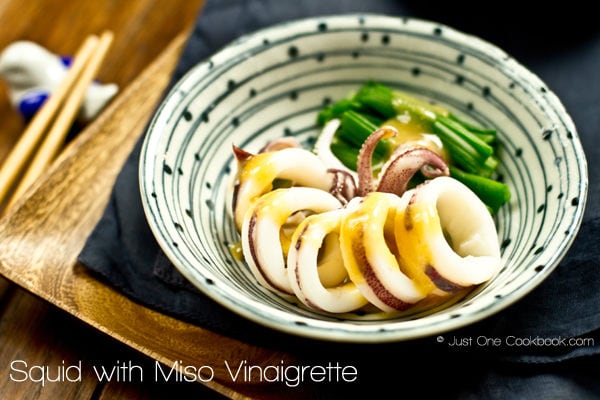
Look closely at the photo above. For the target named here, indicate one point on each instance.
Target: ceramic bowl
(271, 83)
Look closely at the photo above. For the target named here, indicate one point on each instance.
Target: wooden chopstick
(25, 146)
(69, 94)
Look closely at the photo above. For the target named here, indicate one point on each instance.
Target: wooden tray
(44, 233)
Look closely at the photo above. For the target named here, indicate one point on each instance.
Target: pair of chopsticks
(44, 136)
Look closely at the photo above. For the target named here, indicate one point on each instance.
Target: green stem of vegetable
(493, 193)
(486, 137)
(477, 144)
(460, 150)
(337, 109)
(472, 127)
(345, 152)
(378, 98)
(356, 128)
(489, 166)
(426, 113)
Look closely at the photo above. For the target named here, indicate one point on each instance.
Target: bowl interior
(272, 83)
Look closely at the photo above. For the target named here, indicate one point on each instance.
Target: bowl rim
(368, 333)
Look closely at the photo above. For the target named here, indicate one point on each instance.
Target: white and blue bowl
(272, 83)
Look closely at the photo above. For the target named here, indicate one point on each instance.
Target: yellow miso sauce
(412, 131)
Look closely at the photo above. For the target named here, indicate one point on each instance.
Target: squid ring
(316, 271)
(455, 235)
(258, 172)
(261, 231)
(372, 266)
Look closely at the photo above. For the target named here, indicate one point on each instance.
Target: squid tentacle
(364, 167)
(399, 171)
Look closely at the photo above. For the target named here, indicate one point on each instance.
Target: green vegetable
(471, 147)
(466, 149)
(378, 98)
(472, 127)
(493, 193)
(345, 152)
(355, 128)
(336, 110)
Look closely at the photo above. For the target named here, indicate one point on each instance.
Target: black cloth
(465, 363)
